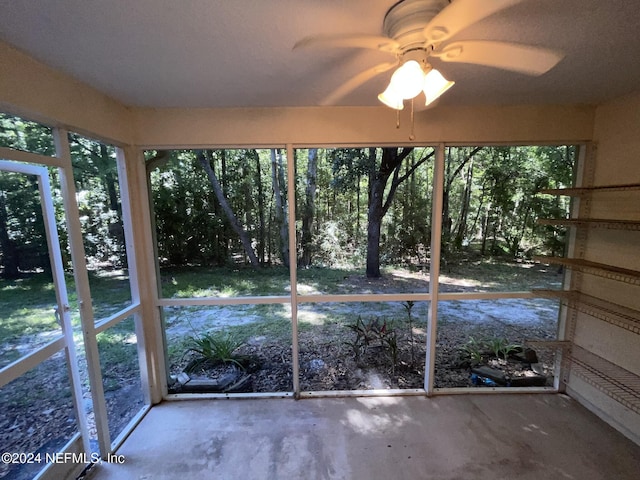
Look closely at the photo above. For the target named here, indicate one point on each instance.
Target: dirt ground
(37, 414)
(328, 363)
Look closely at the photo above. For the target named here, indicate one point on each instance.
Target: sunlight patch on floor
(378, 418)
(365, 423)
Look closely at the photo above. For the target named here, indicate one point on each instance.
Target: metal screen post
(293, 267)
(434, 266)
(83, 291)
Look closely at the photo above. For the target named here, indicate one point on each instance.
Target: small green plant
(509, 348)
(496, 345)
(214, 348)
(501, 347)
(372, 334)
(408, 306)
(474, 349)
(368, 333)
(391, 343)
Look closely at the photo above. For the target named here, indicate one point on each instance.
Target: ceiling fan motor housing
(405, 21)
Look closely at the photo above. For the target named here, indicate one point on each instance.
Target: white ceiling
(238, 53)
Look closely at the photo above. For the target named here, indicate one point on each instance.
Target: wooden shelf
(609, 312)
(563, 344)
(599, 269)
(577, 191)
(618, 383)
(612, 313)
(545, 293)
(632, 225)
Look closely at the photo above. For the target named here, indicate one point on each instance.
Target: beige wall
(617, 161)
(360, 125)
(32, 90)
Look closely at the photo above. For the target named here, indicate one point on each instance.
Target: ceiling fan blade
(507, 56)
(355, 82)
(375, 42)
(459, 15)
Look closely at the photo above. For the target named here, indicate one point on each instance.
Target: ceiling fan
(416, 31)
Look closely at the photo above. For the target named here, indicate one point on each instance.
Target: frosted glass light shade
(408, 80)
(435, 85)
(391, 98)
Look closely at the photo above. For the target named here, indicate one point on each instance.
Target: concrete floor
(529, 436)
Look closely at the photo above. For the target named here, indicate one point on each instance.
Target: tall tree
(389, 168)
(203, 157)
(309, 208)
(279, 191)
(465, 205)
(462, 155)
(8, 248)
(261, 214)
(22, 235)
(21, 134)
(23, 242)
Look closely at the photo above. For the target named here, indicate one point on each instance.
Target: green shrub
(214, 348)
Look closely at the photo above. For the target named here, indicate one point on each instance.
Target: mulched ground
(328, 363)
(37, 414)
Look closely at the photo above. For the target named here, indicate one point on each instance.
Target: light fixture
(409, 80)
(391, 98)
(435, 85)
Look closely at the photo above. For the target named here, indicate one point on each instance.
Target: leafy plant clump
(496, 345)
(214, 348)
(371, 334)
(501, 347)
(475, 350)
(510, 348)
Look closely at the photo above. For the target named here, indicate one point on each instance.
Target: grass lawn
(28, 308)
(187, 282)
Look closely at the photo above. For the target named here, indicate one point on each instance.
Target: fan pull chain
(397, 118)
(412, 135)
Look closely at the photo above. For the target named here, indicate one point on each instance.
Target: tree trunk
(356, 236)
(485, 230)
(277, 175)
(261, 230)
(8, 248)
(233, 220)
(374, 225)
(494, 233)
(464, 209)
(246, 192)
(446, 217)
(447, 221)
(226, 234)
(378, 206)
(479, 209)
(518, 240)
(110, 179)
(308, 212)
